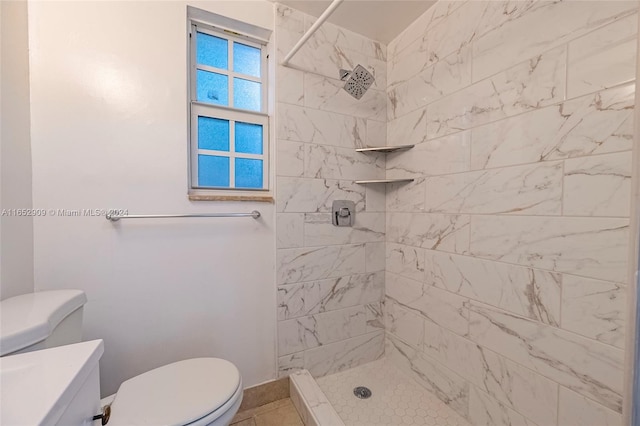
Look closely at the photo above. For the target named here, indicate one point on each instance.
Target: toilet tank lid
(31, 318)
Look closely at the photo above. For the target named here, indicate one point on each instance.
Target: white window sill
(230, 197)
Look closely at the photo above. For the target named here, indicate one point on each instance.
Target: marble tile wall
(330, 279)
(505, 285)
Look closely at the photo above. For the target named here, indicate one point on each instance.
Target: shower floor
(396, 398)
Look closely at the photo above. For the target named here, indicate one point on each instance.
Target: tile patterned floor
(396, 399)
(278, 413)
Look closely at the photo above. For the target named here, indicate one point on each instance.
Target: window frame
(229, 113)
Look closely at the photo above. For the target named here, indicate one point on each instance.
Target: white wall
(16, 250)
(109, 128)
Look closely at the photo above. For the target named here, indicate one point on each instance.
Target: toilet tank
(40, 320)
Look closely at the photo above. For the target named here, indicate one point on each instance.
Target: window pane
(248, 138)
(213, 133)
(213, 171)
(246, 94)
(212, 51)
(212, 88)
(246, 59)
(248, 173)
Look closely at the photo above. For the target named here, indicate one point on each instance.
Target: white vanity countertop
(36, 387)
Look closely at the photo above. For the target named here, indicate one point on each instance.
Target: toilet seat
(179, 394)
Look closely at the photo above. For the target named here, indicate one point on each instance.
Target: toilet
(198, 392)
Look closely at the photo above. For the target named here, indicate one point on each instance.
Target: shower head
(358, 81)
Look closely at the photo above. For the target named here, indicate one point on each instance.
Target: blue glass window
(213, 133)
(248, 173)
(212, 51)
(213, 171)
(212, 88)
(246, 59)
(246, 94)
(248, 138)
(227, 76)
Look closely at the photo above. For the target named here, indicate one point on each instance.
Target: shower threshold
(396, 399)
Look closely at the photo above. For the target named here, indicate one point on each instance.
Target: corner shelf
(385, 149)
(366, 182)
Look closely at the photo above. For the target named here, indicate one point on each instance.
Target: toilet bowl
(198, 391)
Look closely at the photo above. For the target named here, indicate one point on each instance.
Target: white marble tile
(374, 317)
(329, 162)
(408, 197)
(595, 309)
(593, 124)
(303, 195)
(303, 410)
(336, 34)
(486, 411)
(435, 377)
(501, 12)
(530, 85)
(287, 364)
(375, 197)
(330, 48)
(513, 385)
(403, 323)
(425, 22)
(599, 185)
(310, 402)
(296, 300)
(408, 63)
(449, 154)
(345, 354)
(378, 68)
(437, 80)
(401, 289)
(286, 38)
(435, 305)
(591, 247)
(327, 94)
(289, 230)
(290, 86)
(458, 31)
(363, 289)
(376, 133)
(583, 365)
(319, 229)
(531, 293)
(309, 264)
(326, 52)
(289, 19)
(603, 58)
(408, 129)
(529, 189)
(442, 308)
(518, 37)
(290, 158)
(303, 333)
(375, 255)
(405, 260)
(292, 301)
(325, 128)
(433, 231)
(576, 410)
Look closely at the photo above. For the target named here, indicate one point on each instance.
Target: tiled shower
(496, 278)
